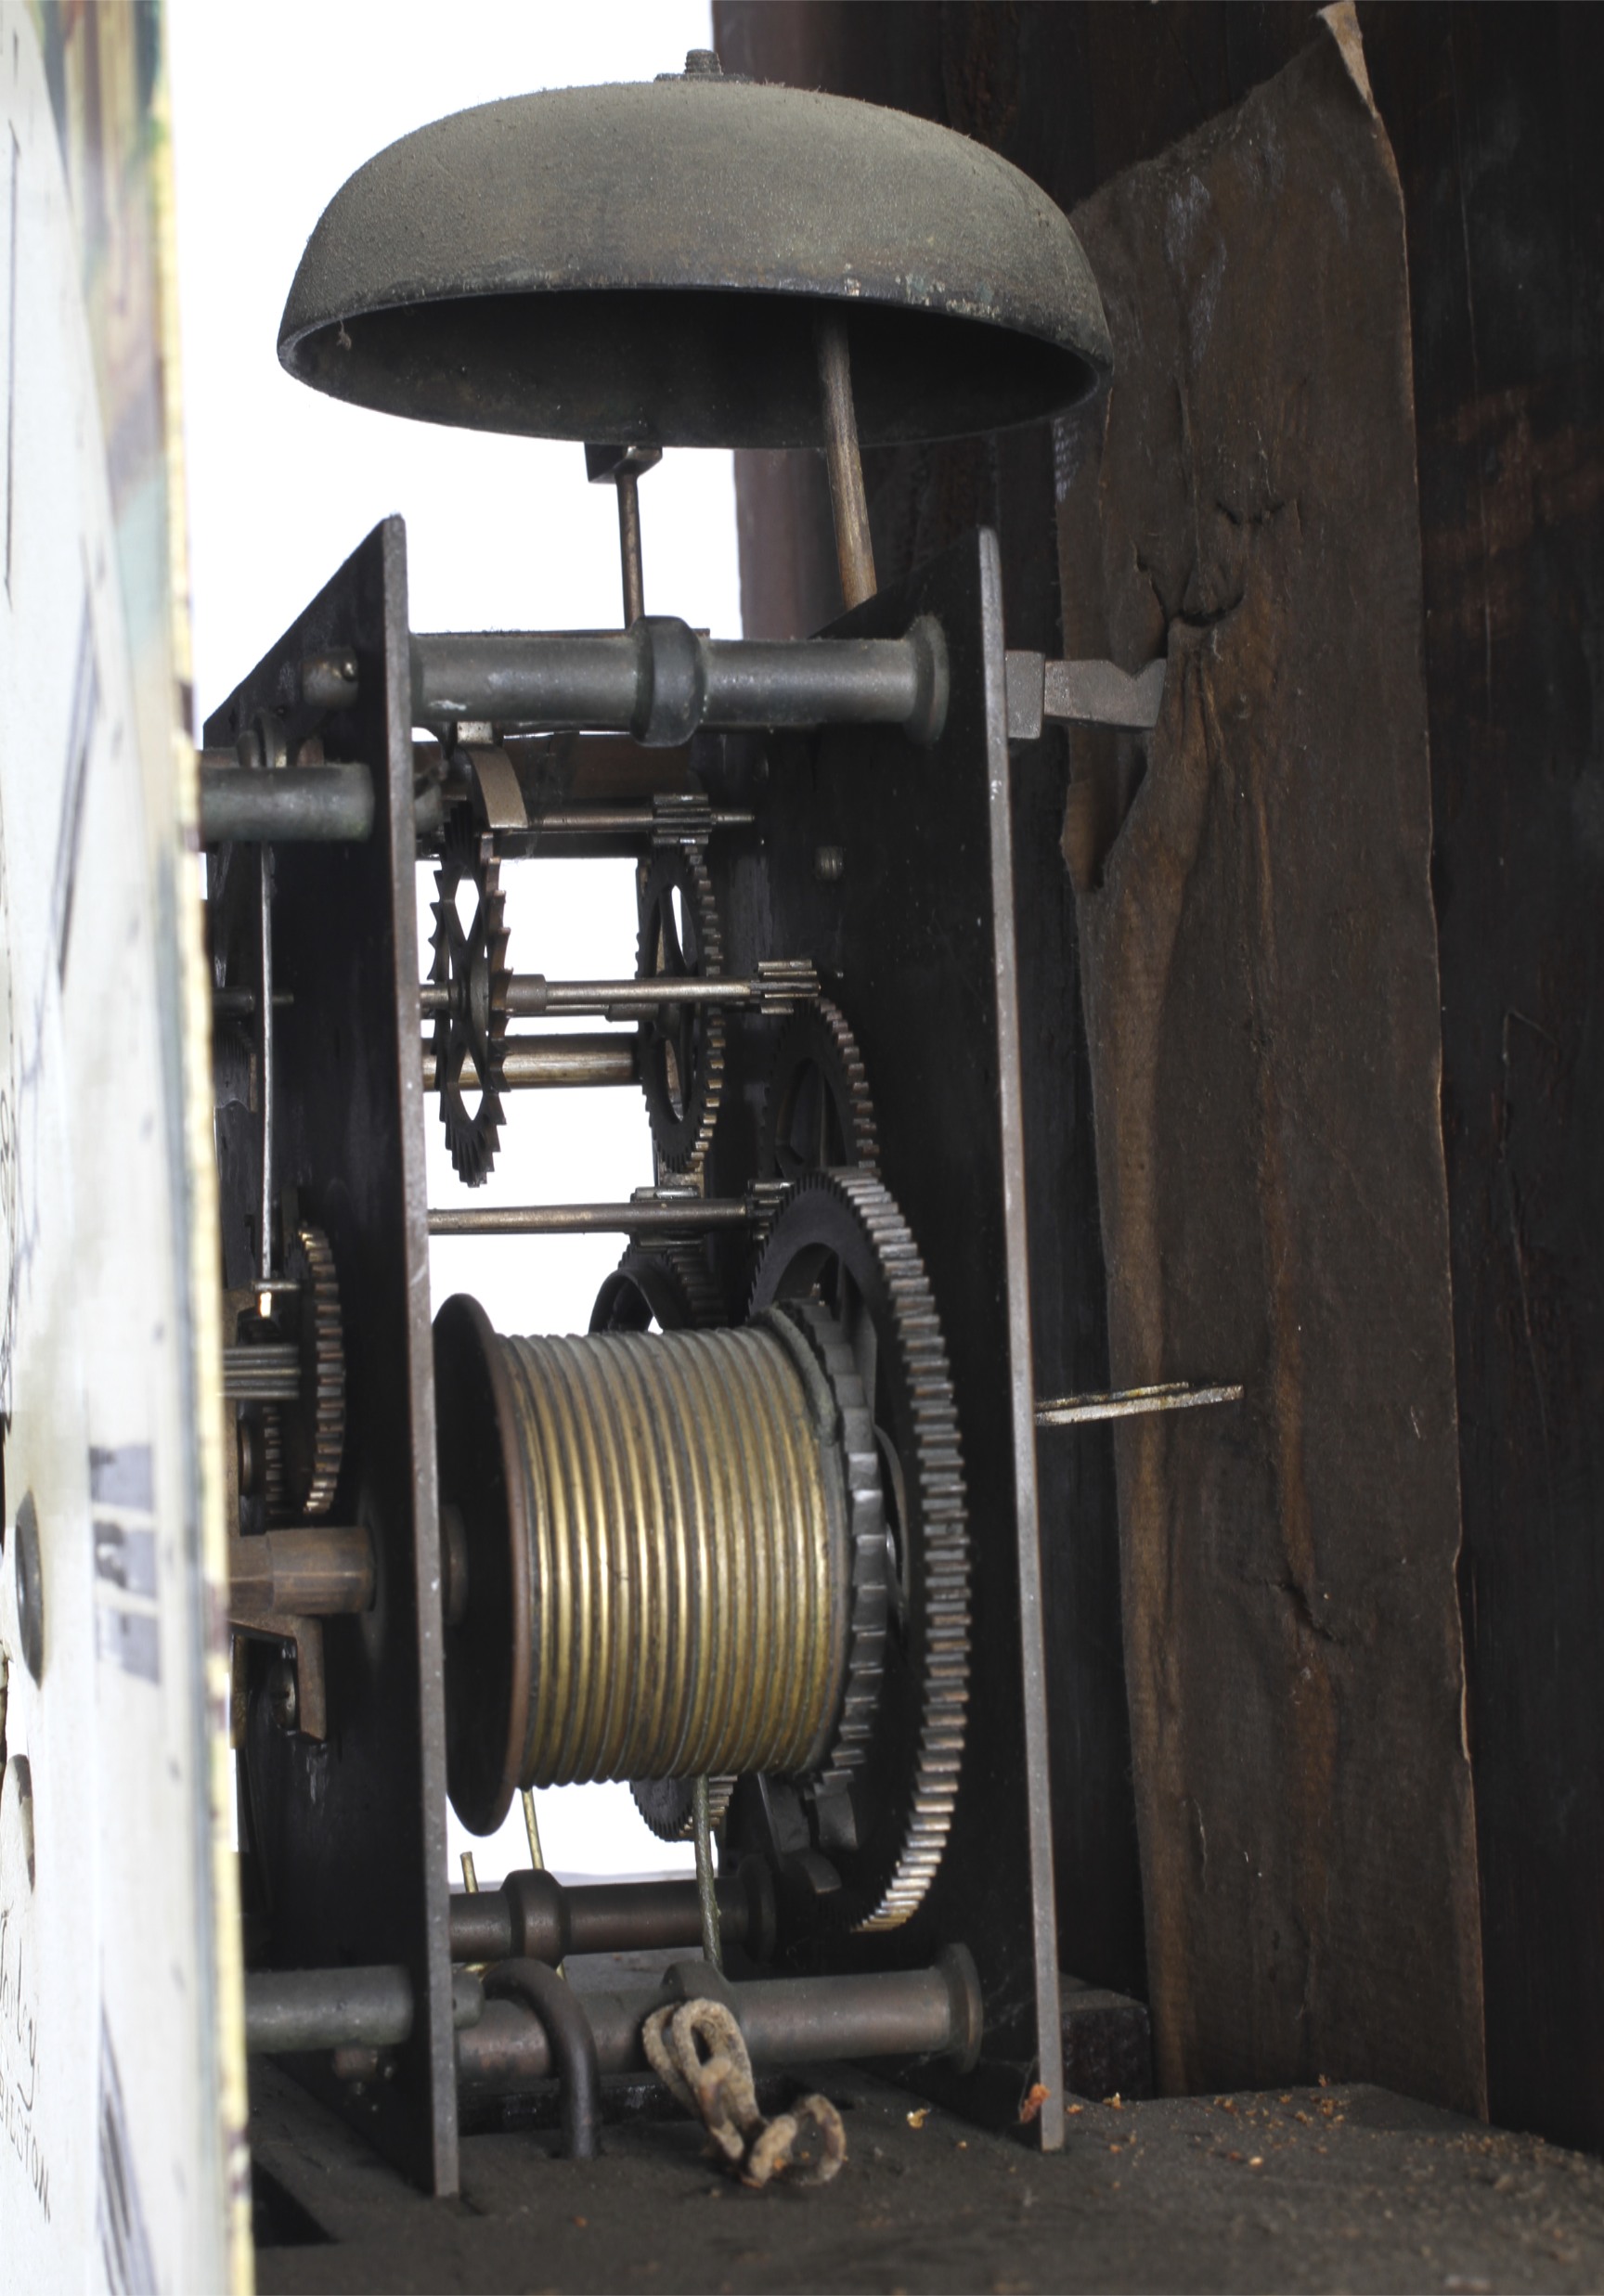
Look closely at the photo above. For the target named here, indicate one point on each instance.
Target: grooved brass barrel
(654, 1543)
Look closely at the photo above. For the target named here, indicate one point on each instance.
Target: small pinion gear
(681, 1045)
(668, 1807)
(471, 965)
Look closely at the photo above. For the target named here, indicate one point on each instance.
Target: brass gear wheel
(816, 1112)
(471, 965)
(309, 1434)
(681, 1045)
(842, 1242)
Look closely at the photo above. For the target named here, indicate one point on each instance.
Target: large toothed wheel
(841, 1261)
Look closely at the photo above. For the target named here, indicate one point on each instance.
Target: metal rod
(661, 681)
(628, 484)
(297, 804)
(240, 1004)
(322, 1571)
(501, 2045)
(1033, 1673)
(265, 1027)
(530, 995)
(537, 1854)
(623, 821)
(707, 1883)
(934, 2012)
(572, 2043)
(289, 2012)
(687, 1218)
(537, 1917)
(532, 1828)
(548, 1062)
(1067, 1411)
(854, 547)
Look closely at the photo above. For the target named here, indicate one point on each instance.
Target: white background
(273, 107)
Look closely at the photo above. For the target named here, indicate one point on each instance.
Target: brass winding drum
(657, 1531)
(730, 1554)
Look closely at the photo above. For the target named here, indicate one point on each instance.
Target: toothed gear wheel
(667, 1806)
(841, 1241)
(681, 1045)
(470, 964)
(668, 1285)
(817, 1113)
(310, 1431)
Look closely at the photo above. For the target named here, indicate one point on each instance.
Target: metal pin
(628, 484)
(536, 1855)
(265, 1021)
(469, 1879)
(707, 1887)
(1067, 1410)
(532, 1828)
(776, 986)
(623, 466)
(691, 1217)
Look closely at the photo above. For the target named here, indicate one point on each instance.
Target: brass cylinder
(665, 1521)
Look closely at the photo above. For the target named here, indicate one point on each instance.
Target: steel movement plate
(645, 262)
(914, 940)
(347, 1835)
